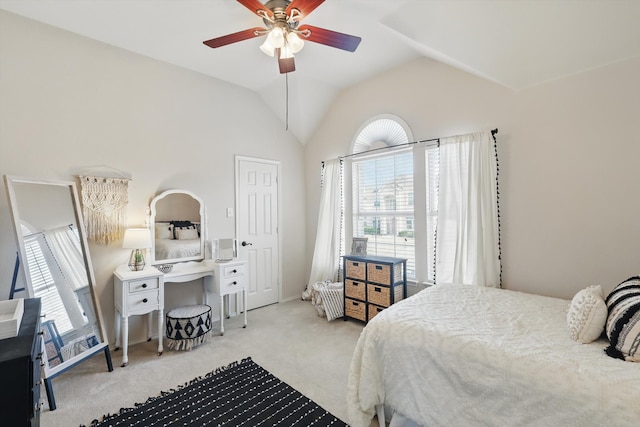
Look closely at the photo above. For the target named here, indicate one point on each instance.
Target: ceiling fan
(285, 35)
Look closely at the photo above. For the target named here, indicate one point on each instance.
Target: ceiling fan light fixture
(294, 42)
(275, 40)
(267, 48)
(284, 34)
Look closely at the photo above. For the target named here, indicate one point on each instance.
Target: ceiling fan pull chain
(286, 120)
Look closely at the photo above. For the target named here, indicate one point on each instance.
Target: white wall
(68, 103)
(568, 152)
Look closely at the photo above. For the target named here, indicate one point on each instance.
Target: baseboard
(291, 299)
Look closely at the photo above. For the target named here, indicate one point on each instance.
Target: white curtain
(65, 254)
(467, 237)
(65, 246)
(326, 255)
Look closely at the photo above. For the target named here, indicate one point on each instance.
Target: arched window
(380, 132)
(394, 194)
(383, 199)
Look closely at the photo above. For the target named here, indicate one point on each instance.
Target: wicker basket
(355, 269)
(355, 289)
(379, 295)
(372, 311)
(398, 293)
(355, 309)
(381, 273)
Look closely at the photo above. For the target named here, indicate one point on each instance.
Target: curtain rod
(35, 233)
(493, 133)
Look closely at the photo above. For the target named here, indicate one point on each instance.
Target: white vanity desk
(188, 271)
(141, 292)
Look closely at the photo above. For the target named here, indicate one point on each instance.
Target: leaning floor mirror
(55, 260)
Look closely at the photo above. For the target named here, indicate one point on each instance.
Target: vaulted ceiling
(515, 43)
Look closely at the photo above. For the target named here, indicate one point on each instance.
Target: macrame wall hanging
(104, 207)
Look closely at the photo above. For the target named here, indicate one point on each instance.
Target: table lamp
(138, 240)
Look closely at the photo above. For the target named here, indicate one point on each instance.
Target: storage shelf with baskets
(371, 284)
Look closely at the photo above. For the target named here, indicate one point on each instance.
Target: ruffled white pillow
(587, 315)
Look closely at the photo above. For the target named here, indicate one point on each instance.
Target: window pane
(383, 205)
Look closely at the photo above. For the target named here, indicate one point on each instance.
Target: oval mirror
(177, 220)
(55, 259)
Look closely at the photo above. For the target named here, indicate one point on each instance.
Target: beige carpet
(289, 340)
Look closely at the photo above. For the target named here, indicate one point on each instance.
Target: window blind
(43, 281)
(383, 204)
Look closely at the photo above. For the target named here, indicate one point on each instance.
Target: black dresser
(371, 284)
(20, 371)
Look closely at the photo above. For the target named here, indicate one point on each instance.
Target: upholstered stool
(188, 326)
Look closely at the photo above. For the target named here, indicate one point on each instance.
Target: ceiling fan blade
(287, 65)
(254, 6)
(233, 38)
(331, 38)
(304, 6)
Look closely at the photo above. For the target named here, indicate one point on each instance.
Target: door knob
(246, 243)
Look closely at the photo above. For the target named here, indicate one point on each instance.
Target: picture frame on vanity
(359, 246)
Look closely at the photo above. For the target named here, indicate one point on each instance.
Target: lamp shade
(275, 40)
(136, 238)
(295, 42)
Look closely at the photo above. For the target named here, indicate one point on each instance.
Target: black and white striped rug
(241, 394)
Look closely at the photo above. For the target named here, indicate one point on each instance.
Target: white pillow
(587, 315)
(164, 230)
(187, 233)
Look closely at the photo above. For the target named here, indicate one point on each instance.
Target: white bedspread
(173, 248)
(473, 356)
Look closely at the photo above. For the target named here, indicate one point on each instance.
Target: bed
(177, 239)
(173, 248)
(465, 355)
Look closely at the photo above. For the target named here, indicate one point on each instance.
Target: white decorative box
(10, 317)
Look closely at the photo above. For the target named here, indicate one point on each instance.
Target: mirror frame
(50, 372)
(152, 224)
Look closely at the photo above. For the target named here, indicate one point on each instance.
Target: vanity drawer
(232, 271)
(143, 285)
(143, 302)
(230, 284)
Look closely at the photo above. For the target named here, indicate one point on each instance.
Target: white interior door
(257, 228)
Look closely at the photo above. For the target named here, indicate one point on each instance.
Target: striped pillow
(623, 320)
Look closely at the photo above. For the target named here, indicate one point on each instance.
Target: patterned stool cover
(188, 326)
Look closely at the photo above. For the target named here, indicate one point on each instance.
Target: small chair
(188, 326)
